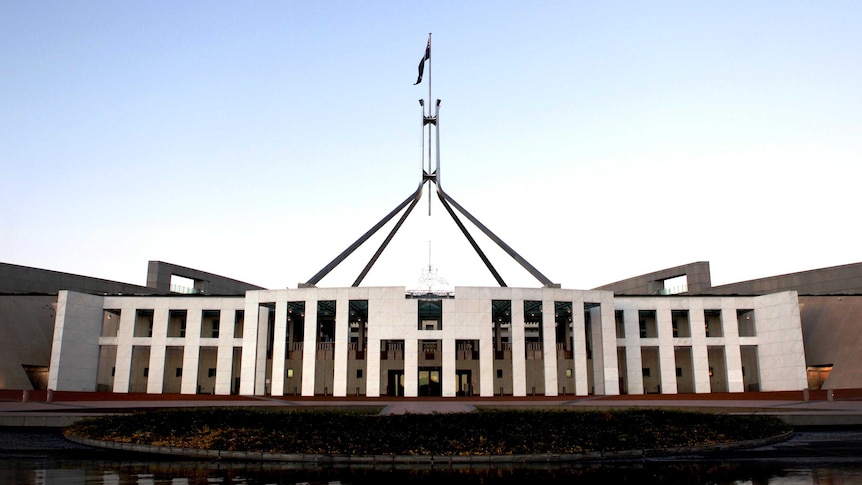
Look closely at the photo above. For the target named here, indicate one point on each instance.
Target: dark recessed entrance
(429, 381)
(395, 381)
(464, 379)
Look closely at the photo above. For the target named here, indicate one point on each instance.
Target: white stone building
(385, 341)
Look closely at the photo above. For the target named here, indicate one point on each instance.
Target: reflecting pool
(46, 470)
(45, 458)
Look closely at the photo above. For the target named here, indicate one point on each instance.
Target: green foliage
(489, 432)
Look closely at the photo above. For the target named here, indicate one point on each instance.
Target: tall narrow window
(430, 314)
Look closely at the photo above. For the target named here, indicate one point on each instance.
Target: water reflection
(47, 471)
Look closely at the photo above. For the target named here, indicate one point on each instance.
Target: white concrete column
(224, 354)
(732, 354)
(449, 385)
(250, 337)
(342, 338)
(309, 347)
(605, 321)
(158, 343)
(699, 355)
(192, 351)
(74, 357)
(279, 335)
(666, 354)
(579, 347)
(411, 365)
(549, 347)
(191, 362)
(780, 349)
(634, 359)
(123, 365)
(372, 361)
(519, 351)
(486, 352)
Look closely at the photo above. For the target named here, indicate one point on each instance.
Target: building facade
(386, 341)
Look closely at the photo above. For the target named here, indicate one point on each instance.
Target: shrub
(488, 432)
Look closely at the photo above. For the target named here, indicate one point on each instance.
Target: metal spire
(429, 176)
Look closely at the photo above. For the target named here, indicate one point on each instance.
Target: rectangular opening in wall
(467, 367)
(675, 285)
(110, 323)
(207, 362)
(533, 331)
(501, 318)
(623, 366)
(173, 370)
(143, 323)
(140, 370)
(430, 314)
(717, 369)
(267, 311)
(534, 351)
(238, 323)
(712, 323)
(589, 309)
(391, 375)
(647, 324)
(563, 325)
(186, 286)
(745, 322)
(107, 366)
(177, 323)
(236, 366)
(210, 323)
(750, 368)
(501, 321)
(684, 369)
(651, 370)
(295, 333)
(620, 323)
(817, 375)
(358, 329)
(326, 329)
(680, 323)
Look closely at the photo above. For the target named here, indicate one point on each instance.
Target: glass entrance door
(429, 381)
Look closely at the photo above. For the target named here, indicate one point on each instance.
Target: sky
(600, 140)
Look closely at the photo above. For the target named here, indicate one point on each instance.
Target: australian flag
(426, 57)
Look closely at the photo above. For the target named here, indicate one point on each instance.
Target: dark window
(179, 371)
(430, 314)
(359, 373)
(146, 371)
(645, 371)
(499, 373)
(211, 372)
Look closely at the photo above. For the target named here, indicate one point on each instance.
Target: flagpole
(429, 124)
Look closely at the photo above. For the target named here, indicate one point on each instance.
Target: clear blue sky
(600, 140)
